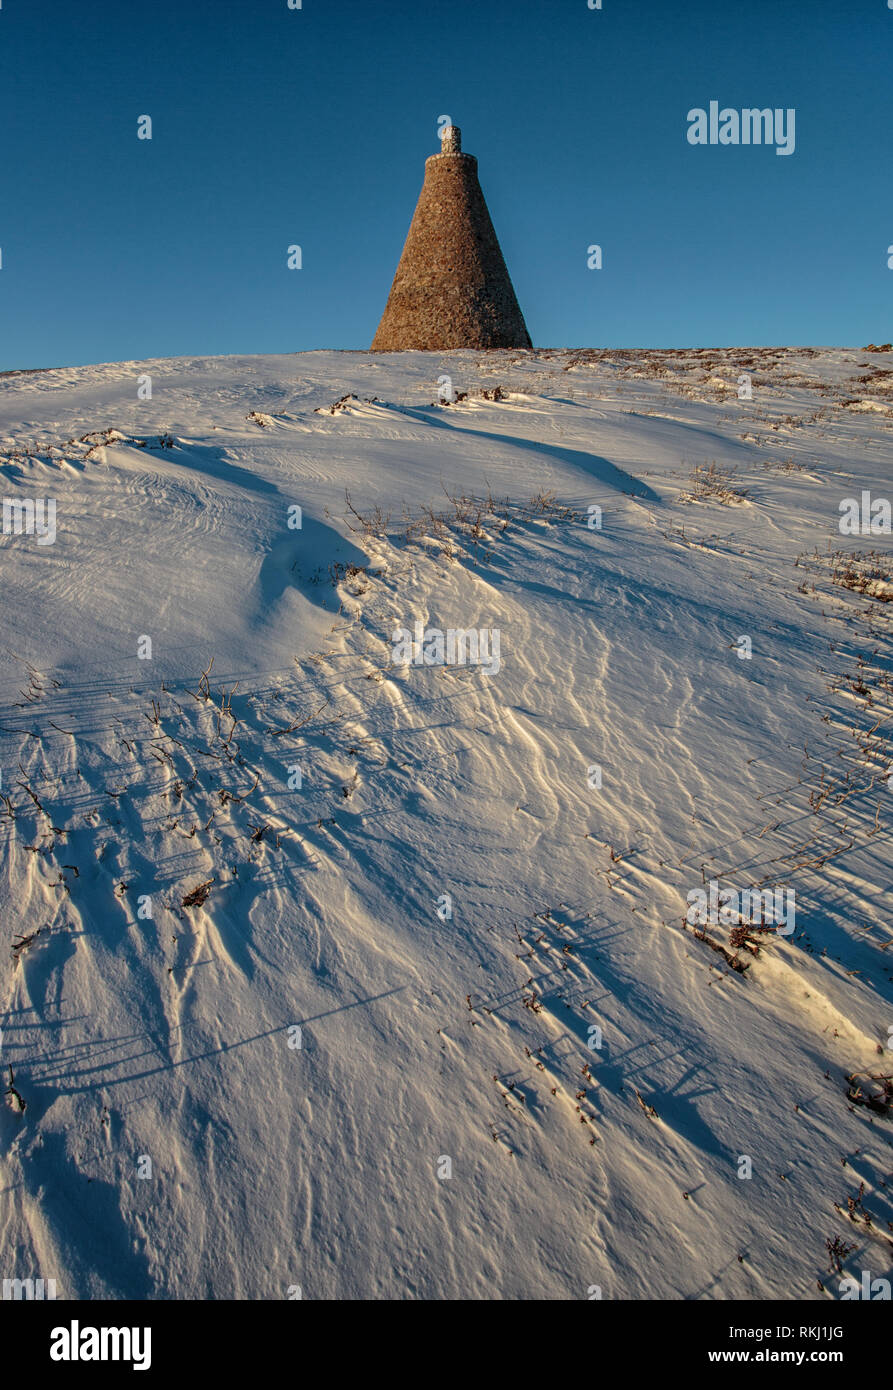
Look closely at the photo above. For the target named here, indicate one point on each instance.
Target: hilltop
(375, 980)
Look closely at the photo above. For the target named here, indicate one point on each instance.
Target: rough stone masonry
(452, 288)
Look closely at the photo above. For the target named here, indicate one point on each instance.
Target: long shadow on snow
(210, 460)
(592, 464)
(103, 1074)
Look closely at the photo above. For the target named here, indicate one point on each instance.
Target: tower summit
(451, 288)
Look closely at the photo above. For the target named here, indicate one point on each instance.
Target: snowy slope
(450, 906)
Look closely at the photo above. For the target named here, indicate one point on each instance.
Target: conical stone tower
(452, 288)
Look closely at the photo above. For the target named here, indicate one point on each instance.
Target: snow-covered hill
(327, 972)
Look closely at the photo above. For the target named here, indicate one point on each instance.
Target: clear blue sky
(275, 126)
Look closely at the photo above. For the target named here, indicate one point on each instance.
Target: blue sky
(274, 126)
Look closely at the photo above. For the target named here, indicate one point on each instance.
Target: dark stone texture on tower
(452, 288)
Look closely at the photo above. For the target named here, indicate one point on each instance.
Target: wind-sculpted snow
(381, 977)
